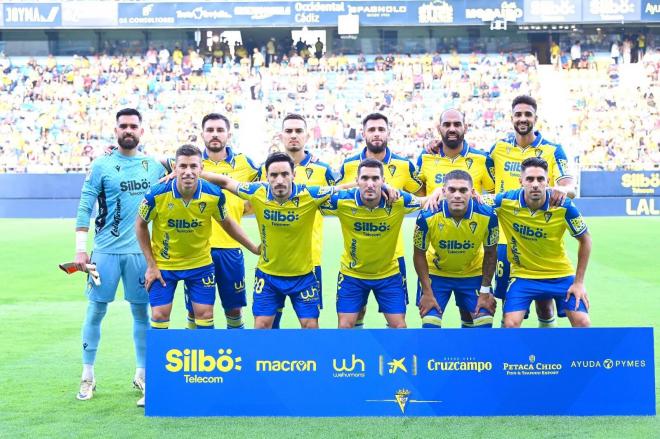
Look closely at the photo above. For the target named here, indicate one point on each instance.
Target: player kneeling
(456, 252)
(540, 268)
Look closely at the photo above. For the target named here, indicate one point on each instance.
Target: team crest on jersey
(354, 211)
(473, 226)
(392, 169)
(469, 162)
(516, 211)
(508, 149)
(170, 206)
(547, 216)
(202, 206)
(538, 153)
(118, 168)
(388, 209)
(441, 226)
(309, 172)
(145, 165)
(295, 201)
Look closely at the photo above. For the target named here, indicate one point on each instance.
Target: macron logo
(146, 11)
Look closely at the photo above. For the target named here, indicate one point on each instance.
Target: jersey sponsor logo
(135, 187)
(184, 225)
(510, 166)
(366, 226)
(529, 232)
(196, 360)
(280, 217)
(354, 260)
(439, 178)
(286, 366)
(454, 244)
(116, 219)
(209, 281)
(165, 252)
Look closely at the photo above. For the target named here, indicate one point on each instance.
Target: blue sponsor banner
(619, 206)
(32, 15)
(553, 11)
(146, 15)
(650, 10)
(415, 372)
(619, 183)
(610, 10)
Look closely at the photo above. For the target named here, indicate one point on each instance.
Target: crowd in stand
(57, 116)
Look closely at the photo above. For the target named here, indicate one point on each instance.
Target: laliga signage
(611, 10)
(32, 14)
(510, 11)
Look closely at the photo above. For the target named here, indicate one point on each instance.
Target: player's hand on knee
(427, 303)
(487, 302)
(153, 274)
(81, 260)
(577, 290)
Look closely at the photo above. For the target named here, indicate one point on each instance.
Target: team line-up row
(460, 240)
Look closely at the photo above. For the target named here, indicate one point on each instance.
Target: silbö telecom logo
(195, 361)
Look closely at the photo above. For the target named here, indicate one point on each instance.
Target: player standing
(399, 173)
(285, 214)
(504, 164)
(226, 253)
(310, 172)
(117, 182)
(540, 268)
(464, 235)
(371, 230)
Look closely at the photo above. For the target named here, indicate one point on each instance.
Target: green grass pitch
(41, 312)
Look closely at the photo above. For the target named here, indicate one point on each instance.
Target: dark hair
(188, 150)
(524, 99)
(128, 112)
(294, 116)
(458, 174)
(278, 157)
(374, 116)
(216, 116)
(370, 163)
(534, 162)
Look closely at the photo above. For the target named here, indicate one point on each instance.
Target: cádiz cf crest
(354, 211)
(516, 211)
(473, 226)
(392, 169)
(295, 201)
(202, 206)
(388, 209)
(547, 216)
(539, 153)
(309, 172)
(469, 162)
(145, 165)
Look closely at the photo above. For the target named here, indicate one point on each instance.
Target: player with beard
(400, 173)
(219, 158)
(116, 181)
(310, 172)
(504, 164)
(450, 154)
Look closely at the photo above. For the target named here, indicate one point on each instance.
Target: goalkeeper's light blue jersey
(118, 184)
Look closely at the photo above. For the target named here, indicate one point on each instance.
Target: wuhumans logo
(196, 360)
(354, 369)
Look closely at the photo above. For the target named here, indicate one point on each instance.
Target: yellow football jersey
(399, 172)
(312, 174)
(181, 233)
(239, 167)
(370, 235)
(536, 238)
(285, 229)
(458, 246)
(432, 168)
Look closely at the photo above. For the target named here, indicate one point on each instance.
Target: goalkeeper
(117, 182)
